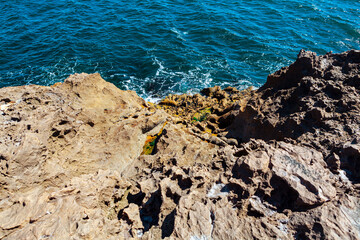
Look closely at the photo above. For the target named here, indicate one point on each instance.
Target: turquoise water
(157, 47)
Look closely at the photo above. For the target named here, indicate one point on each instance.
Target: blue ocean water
(157, 47)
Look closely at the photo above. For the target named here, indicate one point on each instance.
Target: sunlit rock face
(83, 159)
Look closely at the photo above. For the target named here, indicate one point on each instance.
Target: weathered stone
(132, 214)
(281, 162)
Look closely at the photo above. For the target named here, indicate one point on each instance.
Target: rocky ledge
(85, 160)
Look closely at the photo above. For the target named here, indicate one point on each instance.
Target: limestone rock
(315, 102)
(85, 160)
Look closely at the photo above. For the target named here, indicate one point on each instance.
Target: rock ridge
(83, 159)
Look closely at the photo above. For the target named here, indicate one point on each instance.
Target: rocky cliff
(85, 160)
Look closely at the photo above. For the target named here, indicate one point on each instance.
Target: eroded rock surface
(85, 160)
(314, 102)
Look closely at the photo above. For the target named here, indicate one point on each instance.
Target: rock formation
(85, 160)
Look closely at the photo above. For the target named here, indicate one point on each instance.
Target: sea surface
(157, 47)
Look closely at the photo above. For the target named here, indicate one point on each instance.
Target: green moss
(202, 115)
(150, 142)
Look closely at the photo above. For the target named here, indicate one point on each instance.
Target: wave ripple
(157, 47)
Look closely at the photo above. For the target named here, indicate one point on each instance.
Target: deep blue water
(157, 47)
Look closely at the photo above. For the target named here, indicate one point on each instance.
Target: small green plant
(150, 142)
(202, 115)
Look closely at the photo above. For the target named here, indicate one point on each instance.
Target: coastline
(84, 159)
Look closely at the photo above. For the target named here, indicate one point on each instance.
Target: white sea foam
(179, 34)
(152, 99)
